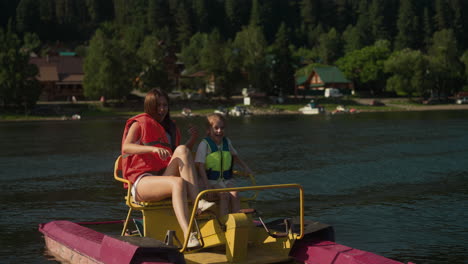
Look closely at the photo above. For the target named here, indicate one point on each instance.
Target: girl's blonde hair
(211, 118)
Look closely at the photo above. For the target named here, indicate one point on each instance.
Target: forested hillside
(407, 24)
(409, 47)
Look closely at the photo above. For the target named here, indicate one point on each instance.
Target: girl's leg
(235, 201)
(224, 203)
(156, 188)
(182, 165)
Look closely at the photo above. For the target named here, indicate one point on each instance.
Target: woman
(156, 164)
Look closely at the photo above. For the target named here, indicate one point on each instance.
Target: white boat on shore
(311, 109)
(239, 111)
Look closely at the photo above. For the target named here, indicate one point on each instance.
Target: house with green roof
(312, 80)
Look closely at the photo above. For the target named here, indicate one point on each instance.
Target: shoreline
(375, 109)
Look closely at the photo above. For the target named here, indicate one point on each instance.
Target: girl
(156, 164)
(215, 158)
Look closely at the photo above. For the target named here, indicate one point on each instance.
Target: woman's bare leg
(156, 188)
(182, 165)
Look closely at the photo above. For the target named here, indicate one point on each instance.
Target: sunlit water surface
(391, 183)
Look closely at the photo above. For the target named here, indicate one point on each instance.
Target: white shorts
(134, 186)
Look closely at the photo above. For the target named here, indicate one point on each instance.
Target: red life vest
(152, 134)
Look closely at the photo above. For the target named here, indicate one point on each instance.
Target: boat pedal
(170, 237)
(139, 226)
(197, 227)
(248, 211)
(288, 226)
(129, 232)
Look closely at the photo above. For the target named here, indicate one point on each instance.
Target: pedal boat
(235, 238)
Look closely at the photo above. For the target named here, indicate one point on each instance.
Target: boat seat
(154, 213)
(158, 217)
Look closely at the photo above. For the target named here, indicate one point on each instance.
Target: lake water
(391, 183)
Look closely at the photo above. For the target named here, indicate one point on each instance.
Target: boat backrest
(118, 169)
(118, 175)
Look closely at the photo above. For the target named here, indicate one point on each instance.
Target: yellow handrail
(117, 168)
(252, 181)
(249, 188)
(245, 174)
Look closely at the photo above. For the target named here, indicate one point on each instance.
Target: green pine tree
(329, 47)
(158, 15)
(184, 28)
(108, 67)
(362, 27)
(283, 69)
(444, 63)
(351, 39)
(428, 27)
(201, 15)
(18, 85)
(310, 13)
(442, 14)
(377, 20)
(408, 28)
(27, 18)
(256, 18)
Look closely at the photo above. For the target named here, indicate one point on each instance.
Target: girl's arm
(193, 131)
(239, 161)
(131, 147)
(202, 174)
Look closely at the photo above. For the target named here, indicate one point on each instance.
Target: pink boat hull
(71, 242)
(327, 252)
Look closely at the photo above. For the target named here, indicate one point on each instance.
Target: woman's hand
(193, 131)
(162, 152)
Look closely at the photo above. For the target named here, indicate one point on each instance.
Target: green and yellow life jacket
(219, 162)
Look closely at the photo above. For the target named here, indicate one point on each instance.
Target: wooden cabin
(314, 80)
(61, 77)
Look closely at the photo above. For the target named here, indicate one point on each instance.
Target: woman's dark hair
(151, 108)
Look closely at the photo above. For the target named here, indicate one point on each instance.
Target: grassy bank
(95, 110)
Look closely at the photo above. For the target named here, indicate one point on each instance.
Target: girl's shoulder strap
(211, 144)
(225, 144)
